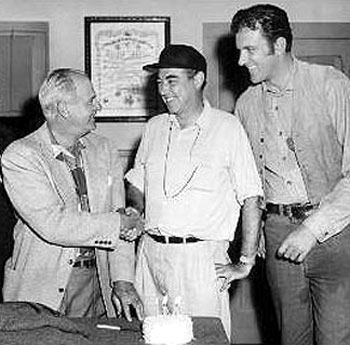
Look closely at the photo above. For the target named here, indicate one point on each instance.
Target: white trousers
(186, 271)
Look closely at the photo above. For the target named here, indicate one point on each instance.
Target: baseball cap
(179, 56)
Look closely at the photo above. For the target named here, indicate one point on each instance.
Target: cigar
(116, 328)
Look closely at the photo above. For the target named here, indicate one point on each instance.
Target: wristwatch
(247, 260)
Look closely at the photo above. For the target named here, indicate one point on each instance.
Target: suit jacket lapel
(92, 175)
(59, 171)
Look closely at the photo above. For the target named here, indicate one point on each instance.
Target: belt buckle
(289, 212)
(286, 210)
(85, 263)
(298, 214)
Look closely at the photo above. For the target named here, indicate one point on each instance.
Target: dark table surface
(26, 323)
(207, 331)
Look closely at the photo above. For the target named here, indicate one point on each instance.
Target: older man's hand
(124, 296)
(132, 224)
(297, 245)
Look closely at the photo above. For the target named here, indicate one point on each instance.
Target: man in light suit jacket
(66, 185)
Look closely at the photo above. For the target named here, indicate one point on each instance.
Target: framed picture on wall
(116, 49)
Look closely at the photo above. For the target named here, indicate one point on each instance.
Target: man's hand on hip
(124, 296)
(228, 273)
(297, 245)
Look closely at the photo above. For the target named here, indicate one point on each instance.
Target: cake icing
(168, 329)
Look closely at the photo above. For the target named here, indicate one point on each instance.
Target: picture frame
(116, 49)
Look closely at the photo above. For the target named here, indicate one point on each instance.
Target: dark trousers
(312, 299)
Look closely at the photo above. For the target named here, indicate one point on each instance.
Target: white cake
(167, 329)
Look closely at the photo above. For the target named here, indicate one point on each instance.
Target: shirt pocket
(205, 178)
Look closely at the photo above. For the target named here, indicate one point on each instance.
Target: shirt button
(61, 290)
(261, 140)
(261, 156)
(289, 183)
(70, 262)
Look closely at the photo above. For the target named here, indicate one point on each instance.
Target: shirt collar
(203, 120)
(289, 85)
(59, 149)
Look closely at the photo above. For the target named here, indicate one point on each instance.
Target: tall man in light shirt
(195, 170)
(297, 116)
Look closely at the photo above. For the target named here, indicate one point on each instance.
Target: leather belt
(293, 211)
(87, 263)
(174, 239)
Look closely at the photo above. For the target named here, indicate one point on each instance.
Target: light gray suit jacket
(50, 227)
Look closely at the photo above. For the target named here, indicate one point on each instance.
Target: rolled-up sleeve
(333, 213)
(243, 170)
(136, 175)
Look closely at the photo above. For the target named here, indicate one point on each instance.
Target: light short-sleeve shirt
(195, 179)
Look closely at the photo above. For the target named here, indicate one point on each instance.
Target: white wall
(66, 18)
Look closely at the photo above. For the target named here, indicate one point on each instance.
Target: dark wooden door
(23, 63)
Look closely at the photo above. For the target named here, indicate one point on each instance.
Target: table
(27, 323)
(206, 330)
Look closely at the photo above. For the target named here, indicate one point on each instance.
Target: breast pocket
(206, 178)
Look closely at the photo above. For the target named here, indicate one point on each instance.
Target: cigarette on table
(117, 328)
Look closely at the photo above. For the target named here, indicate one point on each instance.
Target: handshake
(132, 224)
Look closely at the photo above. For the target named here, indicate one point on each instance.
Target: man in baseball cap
(195, 171)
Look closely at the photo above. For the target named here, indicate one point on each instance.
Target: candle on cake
(168, 328)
